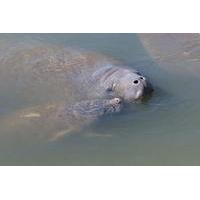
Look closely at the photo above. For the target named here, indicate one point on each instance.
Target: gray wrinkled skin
(57, 120)
(97, 108)
(122, 82)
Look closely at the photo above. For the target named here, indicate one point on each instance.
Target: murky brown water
(162, 131)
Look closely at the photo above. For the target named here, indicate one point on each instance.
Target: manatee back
(33, 69)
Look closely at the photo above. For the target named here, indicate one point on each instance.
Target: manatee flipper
(84, 113)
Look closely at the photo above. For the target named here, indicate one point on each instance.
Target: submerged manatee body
(42, 74)
(56, 120)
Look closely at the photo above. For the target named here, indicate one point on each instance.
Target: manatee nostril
(135, 81)
(141, 77)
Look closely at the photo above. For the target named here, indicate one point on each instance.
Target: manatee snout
(133, 87)
(143, 90)
(146, 86)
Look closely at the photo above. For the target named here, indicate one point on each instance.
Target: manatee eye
(110, 89)
(135, 82)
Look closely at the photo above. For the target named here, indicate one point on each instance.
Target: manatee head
(131, 85)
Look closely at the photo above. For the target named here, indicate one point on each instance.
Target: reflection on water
(161, 131)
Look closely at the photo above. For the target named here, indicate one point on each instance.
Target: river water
(161, 131)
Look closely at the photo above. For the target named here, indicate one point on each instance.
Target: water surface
(162, 131)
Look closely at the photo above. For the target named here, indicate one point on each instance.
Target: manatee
(67, 74)
(46, 74)
(56, 120)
